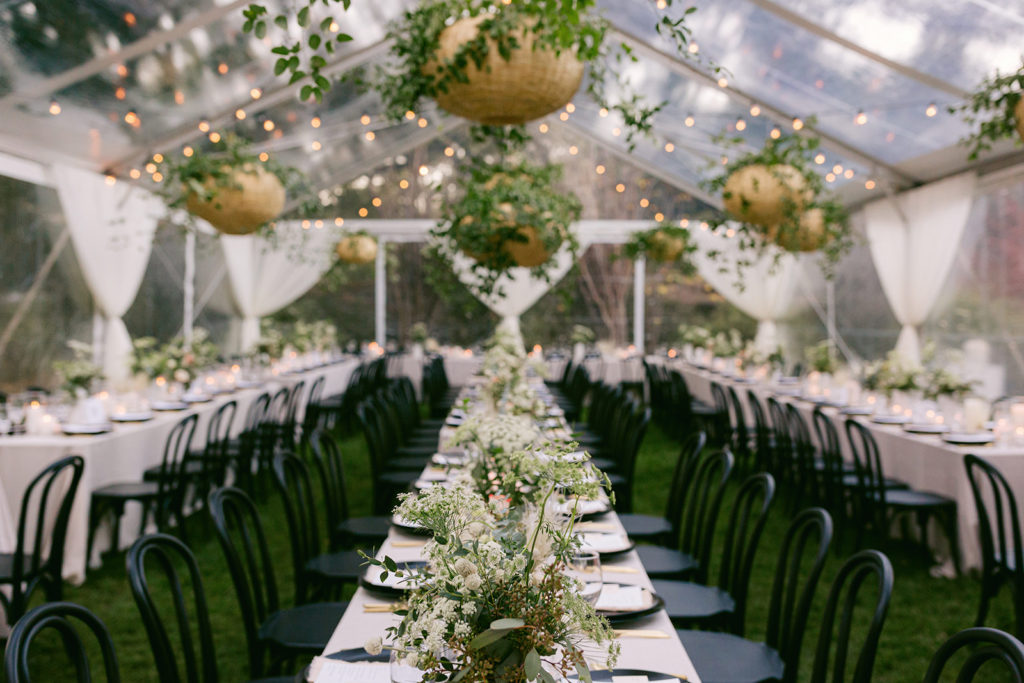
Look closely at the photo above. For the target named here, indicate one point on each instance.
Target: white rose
(374, 646)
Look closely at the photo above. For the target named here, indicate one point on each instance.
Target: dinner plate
(409, 527)
(890, 419)
(168, 405)
(857, 410)
(609, 676)
(393, 585)
(654, 604)
(132, 417)
(248, 383)
(453, 421)
(964, 439)
(925, 428)
(196, 398)
(448, 459)
(74, 430)
(585, 508)
(606, 545)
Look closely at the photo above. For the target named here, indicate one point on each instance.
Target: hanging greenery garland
(995, 111)
(495, 63)
(776, 196)
(509, 216)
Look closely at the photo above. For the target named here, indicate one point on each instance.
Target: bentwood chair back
(38, 557)
(701, 507)
(1002, 549)
(763, 441)
(861, 570)
(689, 455)
(296, 488)
(163, 562)
(66, 619)
(984, 645)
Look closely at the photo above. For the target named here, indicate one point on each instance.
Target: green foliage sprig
(307, 56)
(659, 244)
(495, 202)
(990, 111)
(80, 371)
(796, 151)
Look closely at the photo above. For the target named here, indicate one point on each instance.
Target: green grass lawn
(923, 613)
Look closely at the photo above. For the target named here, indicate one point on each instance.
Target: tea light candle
(33, 417)
(47, 424)
(976, 412)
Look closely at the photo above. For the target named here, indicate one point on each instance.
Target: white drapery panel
(268, 273)
(520, 288)
(771, 291)
(111, 228)
(914, 238)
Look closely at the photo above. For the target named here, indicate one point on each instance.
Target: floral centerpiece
(78, 374)
(893, 373)
(694, 335)
(271, 342)
(750, 356)
(937, 382)
(666, 243)
(822, 357)
(419, 332)
(581, 334)
(174, 360)
(726, 344)
(495, 603)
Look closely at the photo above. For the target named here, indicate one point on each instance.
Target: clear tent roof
(131, 77)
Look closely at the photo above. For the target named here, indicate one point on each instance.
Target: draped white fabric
(111, 228)
(520, 288)
(771, 290)
(914, 238)
(268, 273)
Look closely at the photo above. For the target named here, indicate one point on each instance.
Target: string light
(404, 184)
(158, 177)
(410, 115)
(861, 118)
(122, 70)
(120, 93)
(837, 169)
(659, 217)
(129, 19)
(798, 124)
(268, 125)
(204, 127)
(620, 188)
(848, 174)
(689, 121)
(669, 147)
(543, 128)
(264, 157)
(305, 224)
(315, 122)
(365, 119)
(616, 132)
(723, 83)
(693, 48)
(684, 222)
(315, 145)
(240, 114)
(318, 224)
(644, 202)
(334, 28)
(424, 170)
(377, 201)
(755, 110)
(570, 107)
(339, 221)
(422, 123)
(179, 97)
(830, 177)
(255, 93)
(931, 110)
(151, 168)
(869, 185)
(222, 68)
(741, 124)
(135, 174)
(187, 151)
(819, 159)
(564, 116)
(214, 137)
(110, 179)
(600, 169)
(449, 152)
(775, 134)
(158, 158)
(132, 119)
(371, 136)
(363, 212)
(574, 150)
(603, 113)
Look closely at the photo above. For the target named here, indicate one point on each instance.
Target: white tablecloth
(120, 456)
(925, 462)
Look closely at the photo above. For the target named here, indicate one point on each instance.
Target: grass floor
(923, 613)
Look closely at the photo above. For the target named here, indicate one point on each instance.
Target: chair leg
(987, 593)
(953, 534)
(96, 510)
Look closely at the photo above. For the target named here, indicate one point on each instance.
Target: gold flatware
(379, 607)
(596, 526)
(619, 570)
(408, 544)
(640, 633)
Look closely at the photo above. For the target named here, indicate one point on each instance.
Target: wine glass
(585, 567)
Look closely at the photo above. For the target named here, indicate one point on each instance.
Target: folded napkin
(604, 543)
(584, 507)
(616, 598)
(324, 670)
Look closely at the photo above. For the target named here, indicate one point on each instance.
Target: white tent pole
(189, 287)
(639, 285)
(380, 301)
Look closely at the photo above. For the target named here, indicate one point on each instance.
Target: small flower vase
(417, 353)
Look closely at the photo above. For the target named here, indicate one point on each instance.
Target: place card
(604, 543)
(324, 670)
(616, 598)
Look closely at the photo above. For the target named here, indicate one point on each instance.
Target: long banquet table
(122, 455)
(664, 653)
(925, 462)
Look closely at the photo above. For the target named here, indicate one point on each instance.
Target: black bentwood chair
(1002, 550)
(163, 561)
(47, 505)
(724, 605)
(270, 631)
(61, 617)
(987, 645)
(728, 657)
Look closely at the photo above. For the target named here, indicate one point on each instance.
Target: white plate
(925, 428)
(605, 543)
(448, 459)
(132, 417)
(248, 384)
(968, 439)
(890, 419)
(858, 410)
(196, 398)
(585, 507)
(169, 405)
(71, 429)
